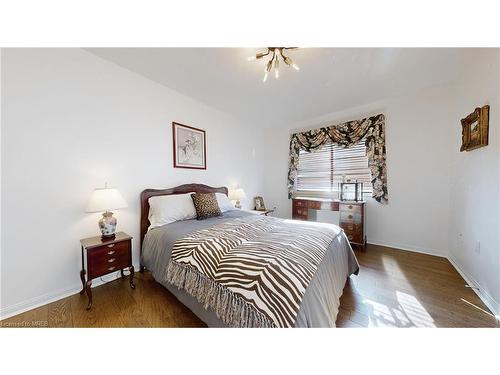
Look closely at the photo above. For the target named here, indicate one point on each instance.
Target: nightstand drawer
(109, 265)
(108, 258)
(107, 251)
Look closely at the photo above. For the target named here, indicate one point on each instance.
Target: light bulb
(252, 58)
(276, 73)
(269, 66)
(265, 76)
(295, 66)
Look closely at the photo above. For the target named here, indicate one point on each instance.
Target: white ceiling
(330, 79)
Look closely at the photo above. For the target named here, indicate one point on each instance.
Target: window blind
(321, 171)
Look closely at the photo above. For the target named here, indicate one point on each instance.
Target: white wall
(70, 122)
(475, 181)
(418, 161)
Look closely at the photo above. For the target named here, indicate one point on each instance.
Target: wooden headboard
(182, 189)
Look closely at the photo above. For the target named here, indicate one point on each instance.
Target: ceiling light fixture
(276, 53)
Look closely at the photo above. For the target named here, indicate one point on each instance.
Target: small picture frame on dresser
(259, 204)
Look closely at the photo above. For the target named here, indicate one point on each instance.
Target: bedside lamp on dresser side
(236, 195)
(104, 200)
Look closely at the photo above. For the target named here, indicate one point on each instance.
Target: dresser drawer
(299, 203)
(351, 227)
(300, 211)
(314, 205)
(354, 237)
(108, 258)
(347, 217)
(348, 207)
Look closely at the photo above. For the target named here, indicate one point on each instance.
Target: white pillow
(166, 209)
(224, 202)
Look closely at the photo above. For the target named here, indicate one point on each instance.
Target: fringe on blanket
(233, 310)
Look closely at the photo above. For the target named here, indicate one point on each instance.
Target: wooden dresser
(352, 221)
(351, 218)
(103, 256)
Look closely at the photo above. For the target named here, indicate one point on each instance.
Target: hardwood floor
(394, 289)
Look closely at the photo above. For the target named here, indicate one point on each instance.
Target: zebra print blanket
(252, 271)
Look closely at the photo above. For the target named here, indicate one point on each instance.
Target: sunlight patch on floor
(392, 268)
(414, 310)
(383, 316)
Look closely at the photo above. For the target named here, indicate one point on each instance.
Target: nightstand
(101, 257)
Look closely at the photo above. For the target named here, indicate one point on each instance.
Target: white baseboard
(45, 299)
(35, 302)
(489, 301)
(415, 249)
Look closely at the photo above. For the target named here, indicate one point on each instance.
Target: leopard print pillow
(206, 205)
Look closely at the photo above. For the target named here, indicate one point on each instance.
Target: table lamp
(236, 195)
(103, 200)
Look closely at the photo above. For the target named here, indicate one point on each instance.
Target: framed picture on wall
(475, 129)
(189, 147)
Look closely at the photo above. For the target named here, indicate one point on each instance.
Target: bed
(318, 304)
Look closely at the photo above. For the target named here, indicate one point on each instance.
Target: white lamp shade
(236, 194)
(105, 199)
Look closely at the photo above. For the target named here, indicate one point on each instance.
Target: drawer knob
(350, 216)
(349, 237)
(111, 252)
(111, 260)
(350, 206)
(112, 245)
(111, 268)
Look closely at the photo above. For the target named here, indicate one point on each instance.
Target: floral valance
(347, 134)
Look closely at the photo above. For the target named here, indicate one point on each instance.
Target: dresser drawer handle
(111, 260)
(350, 206)
(350, 216)
(111, 252)
(112, 245)
(349, 237)
(111, 268)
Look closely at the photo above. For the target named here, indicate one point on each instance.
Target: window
(319, 173)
